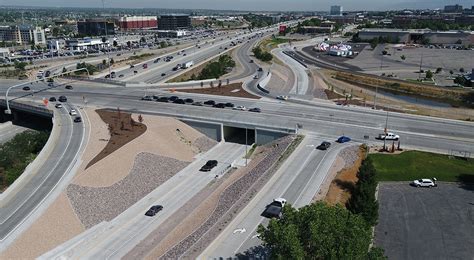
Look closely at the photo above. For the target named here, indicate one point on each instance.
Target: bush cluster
(262, 55)
(216, 69)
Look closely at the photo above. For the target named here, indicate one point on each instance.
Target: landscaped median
(413, 165)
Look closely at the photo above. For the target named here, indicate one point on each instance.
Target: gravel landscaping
(350, 155)
(204, 143)
(230, 198)
(94, 205)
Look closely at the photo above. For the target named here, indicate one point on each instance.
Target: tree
(429, 74)
(403, 57)
(374, 42)
(317, 231)
(20, 65)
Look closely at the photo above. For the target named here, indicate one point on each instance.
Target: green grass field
(412, 165)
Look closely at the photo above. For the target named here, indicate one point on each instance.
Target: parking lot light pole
(8, 110)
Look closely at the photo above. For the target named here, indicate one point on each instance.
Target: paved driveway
(423, 223)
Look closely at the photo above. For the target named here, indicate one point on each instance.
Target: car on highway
(424, 183)
(120, 76)
(68, 87)
(210, 102)
(343, 139)
(77, 119)
(219, 105)
(388, 136)
(26, 88)
(255, 77)
(179, 101)
(188, 100)
(274, 209)
(208, 166)
(50, 84)
(145, 66)
(52, 99)
(173, 98)
(147, 98)
(73, 112)
(163, 74)
(132, 66)
(324, 146)
(62, 99)
(153, 210)
(135, 72)
(259, 69)
(281, 97)
(157, 60)
(58, 105)
(241, 108)
(255, 109)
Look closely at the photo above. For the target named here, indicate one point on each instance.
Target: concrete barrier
(263, 83)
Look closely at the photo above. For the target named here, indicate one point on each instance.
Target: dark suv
(62, 99)
(153, 210)
(324, 146)
(208, 166)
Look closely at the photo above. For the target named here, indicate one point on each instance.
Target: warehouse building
(416, 36)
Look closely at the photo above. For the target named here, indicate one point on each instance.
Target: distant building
(128, 23)
(465, 20)
(405, 21)
(4, 53)
(453, 9)
(336, 10)
(198, 21)
(416, 36)
(342, 19)
(171, 33)
(55, 44)
(95, 27)
(23, 34)
(85, 44)
(174, 22)
(317, 29)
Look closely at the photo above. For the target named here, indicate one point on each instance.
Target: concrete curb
(31, 169)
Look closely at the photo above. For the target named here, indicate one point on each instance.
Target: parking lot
(426, 223)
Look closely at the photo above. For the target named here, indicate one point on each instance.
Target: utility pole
(421, 62)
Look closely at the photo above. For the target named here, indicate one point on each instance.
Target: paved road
(35, 188)
(120, 235)
(8, 131)
(297, 180)
(301, 85)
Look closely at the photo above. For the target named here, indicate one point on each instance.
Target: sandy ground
(161, 138)
(202, 212)
(57, 225)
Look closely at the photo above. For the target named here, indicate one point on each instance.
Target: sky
(253, 5)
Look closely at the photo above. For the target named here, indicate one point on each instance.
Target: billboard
(282, 29)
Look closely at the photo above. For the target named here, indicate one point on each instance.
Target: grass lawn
(412, 165)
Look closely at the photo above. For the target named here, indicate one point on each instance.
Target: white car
(282, 97)
(241, 108)
(73, 112)
(424, 183)
(389, 136)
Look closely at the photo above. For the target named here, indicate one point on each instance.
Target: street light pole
(8, 110)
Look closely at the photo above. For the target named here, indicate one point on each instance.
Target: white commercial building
(336, 10)
(85, 44)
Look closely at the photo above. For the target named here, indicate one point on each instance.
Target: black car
(163, 99)
(208, 166)
(155, 97)
(179, 101)
(229, 104)
(219, 105)
(189, 100)
(324, 146)
(52, 99)
(255, 109)
(68, 87)
(62, 99)
(78, 119)
(260, 69)
(132, 66)
(26, 88)
(210, 103)
(251, 61)
(153, 210)
(163, 74)
(173, 98)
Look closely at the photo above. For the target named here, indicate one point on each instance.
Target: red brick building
(128, 23)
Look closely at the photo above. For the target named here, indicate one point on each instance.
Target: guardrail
(100, 80)
(27, 108)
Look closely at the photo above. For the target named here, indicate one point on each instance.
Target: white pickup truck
(388, 136)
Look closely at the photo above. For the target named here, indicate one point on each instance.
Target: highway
(297, 180)
(120, 235)
(22, 201)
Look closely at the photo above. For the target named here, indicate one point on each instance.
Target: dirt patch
(123, 129)
(231, 90)
(343, 184)
(332, 94)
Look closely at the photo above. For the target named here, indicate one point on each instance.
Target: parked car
(163, 99)
(324, 146)
(179, 101)
(153, 210)
(173, 98)
(78, 119)
(219, 105)
(73, 112)
(208, 166)
(255, 109)
(58, 105)
(52, 99)
(229, 104)
(210, 103)
(425, 183)
(241, 108)
(62, 99)
(147, 98)
(189, 100)
(343, 139)
(68, 87)
(282, 97)
(26, 88)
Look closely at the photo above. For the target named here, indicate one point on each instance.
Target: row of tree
(321, 231)
(17, 153)
(261, 54)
